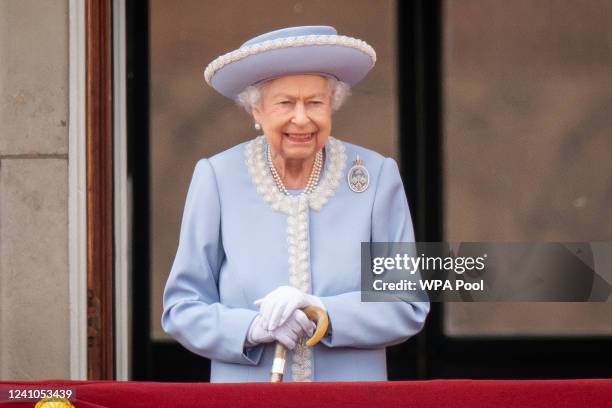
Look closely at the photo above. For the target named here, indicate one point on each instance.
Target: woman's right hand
(298, 325)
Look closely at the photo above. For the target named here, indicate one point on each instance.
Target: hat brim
(347, 64)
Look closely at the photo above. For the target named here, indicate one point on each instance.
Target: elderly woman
(275, 224)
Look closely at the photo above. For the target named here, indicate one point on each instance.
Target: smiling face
(295, 115)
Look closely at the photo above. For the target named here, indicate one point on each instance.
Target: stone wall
(34, 297)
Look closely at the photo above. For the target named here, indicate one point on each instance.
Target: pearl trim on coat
(297, 41)
(296, 207)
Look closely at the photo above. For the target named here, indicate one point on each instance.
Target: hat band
(299, 41)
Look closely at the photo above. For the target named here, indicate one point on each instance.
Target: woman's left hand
(278, 305)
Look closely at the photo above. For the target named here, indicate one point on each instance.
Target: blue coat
(233, 249)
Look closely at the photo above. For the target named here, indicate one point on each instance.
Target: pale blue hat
(294, 50)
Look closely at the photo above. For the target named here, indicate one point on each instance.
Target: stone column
(34, 297)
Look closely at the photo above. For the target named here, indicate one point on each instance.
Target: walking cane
(317, 315)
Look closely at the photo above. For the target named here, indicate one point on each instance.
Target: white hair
(251, 96)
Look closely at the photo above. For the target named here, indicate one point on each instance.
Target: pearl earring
(257, 126)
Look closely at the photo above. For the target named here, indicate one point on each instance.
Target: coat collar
(255, 156)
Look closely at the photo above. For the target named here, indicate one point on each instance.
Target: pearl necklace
(313, 180)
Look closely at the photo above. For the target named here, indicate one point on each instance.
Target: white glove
(278, 305)
(258, 333)
(298, 325)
